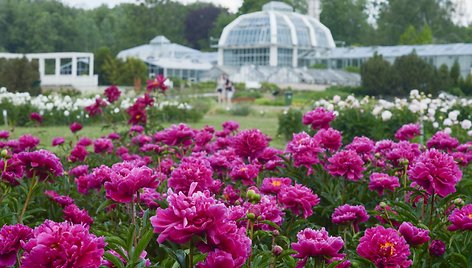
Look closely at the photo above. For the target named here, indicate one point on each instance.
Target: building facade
(275, 36)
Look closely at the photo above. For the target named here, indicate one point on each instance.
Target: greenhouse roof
(396, 51)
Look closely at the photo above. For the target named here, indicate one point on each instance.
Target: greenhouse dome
(275, 36)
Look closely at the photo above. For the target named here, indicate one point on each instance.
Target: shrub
(290, 122)
(241, 110)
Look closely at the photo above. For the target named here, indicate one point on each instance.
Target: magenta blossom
(442, 141)
(63, 245)
(384, 247)
(299, 199)
(74, 214)
(250, 143)
(58, 141)
(13, 171)
(78, 171)
(36, 117)
(244, 173)
(176, 135)
(112, 93)
(102, 145)
(318, 118)
(413, 235)
(127, 181)
(437, 248)
(41, 164)
(187, 215)
(274, 185)
(62, 200)
(96, 108)
(348, 214)
(304, 150)
(191, 170)
(27, 142)
(75, 127)
(230, 126)
(4, 134)
(461, 219)
(317, 244)
(436, 172)
(408, 132)
(78, 153)
(159, 82)
(329, 139)
(11, 237)
(84, 141)
(347, 164)
(380, 182)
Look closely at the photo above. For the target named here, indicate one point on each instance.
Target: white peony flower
(447, 122)
(466, 124)
(386, 115)
(448, 130)
(66, 113)
(435, 124)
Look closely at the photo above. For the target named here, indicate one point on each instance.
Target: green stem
(432, 211)
(33, 185)
(190, 255)
(133, 220)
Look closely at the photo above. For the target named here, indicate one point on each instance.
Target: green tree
(198, 24)
(443, 81)
(414, 73)
(347, 20)
(376, 76)
(413, 37)
(455, 73)
(20, 75)
(102, 55)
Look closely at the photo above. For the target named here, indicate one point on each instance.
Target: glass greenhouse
(275, 36)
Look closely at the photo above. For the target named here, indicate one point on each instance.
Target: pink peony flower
(96, 108)
(299, 199)
(11, 237)
(103, 145)
(384, 247)
(176, 135)
(402, 151)
(265, 210)
(78, 153)
(413, 235)
(27, 142)
(187, 215)
(109, 264)
(363, 146)
(75, 127)
(461, 219)
(114, 136)
(58, 141)
(442, 141)
(78, 171)
(304, 150)
(245, 173)
(136, 129)
(436, 172)
(347, 164)
(149, 196)
(41, 164)
(317, 244)
(125, 182)
(4, 134)
(250, 143)
(157, 83)
(380, 182)
(408, 132)
(318, 118)
(93, 181)
(329, 139)
(437, 248)
(62, 200)
(84, 141)
(112, 93)
(347, 214)
(63, 245)
(230, 126)
(36, 117)
(74, 214)
(13, 171)
(191, 170)
(273, 185)
(217, 259)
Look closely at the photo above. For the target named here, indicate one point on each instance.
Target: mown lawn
(267, 124)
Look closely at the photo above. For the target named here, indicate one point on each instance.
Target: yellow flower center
(243, 169)
(276, 183)
(387, 248)
(469, 216)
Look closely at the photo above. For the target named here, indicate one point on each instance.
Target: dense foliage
(20, 75)
(183, 197)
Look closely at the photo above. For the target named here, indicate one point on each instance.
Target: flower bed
(183, 197)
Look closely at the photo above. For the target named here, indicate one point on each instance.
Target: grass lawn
(267, 124)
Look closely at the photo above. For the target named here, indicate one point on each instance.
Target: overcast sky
(233, 5)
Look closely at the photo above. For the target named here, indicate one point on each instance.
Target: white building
(171, 60)
(63, 69)
(275, 36)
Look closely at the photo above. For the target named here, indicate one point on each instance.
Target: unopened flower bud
(257, 197)
(277, 250)
(4, 153)
(459, 202)
(382, 204)
(259, 218)
(251, 216)
(276, 232)
(250, 194)
(437, 248)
